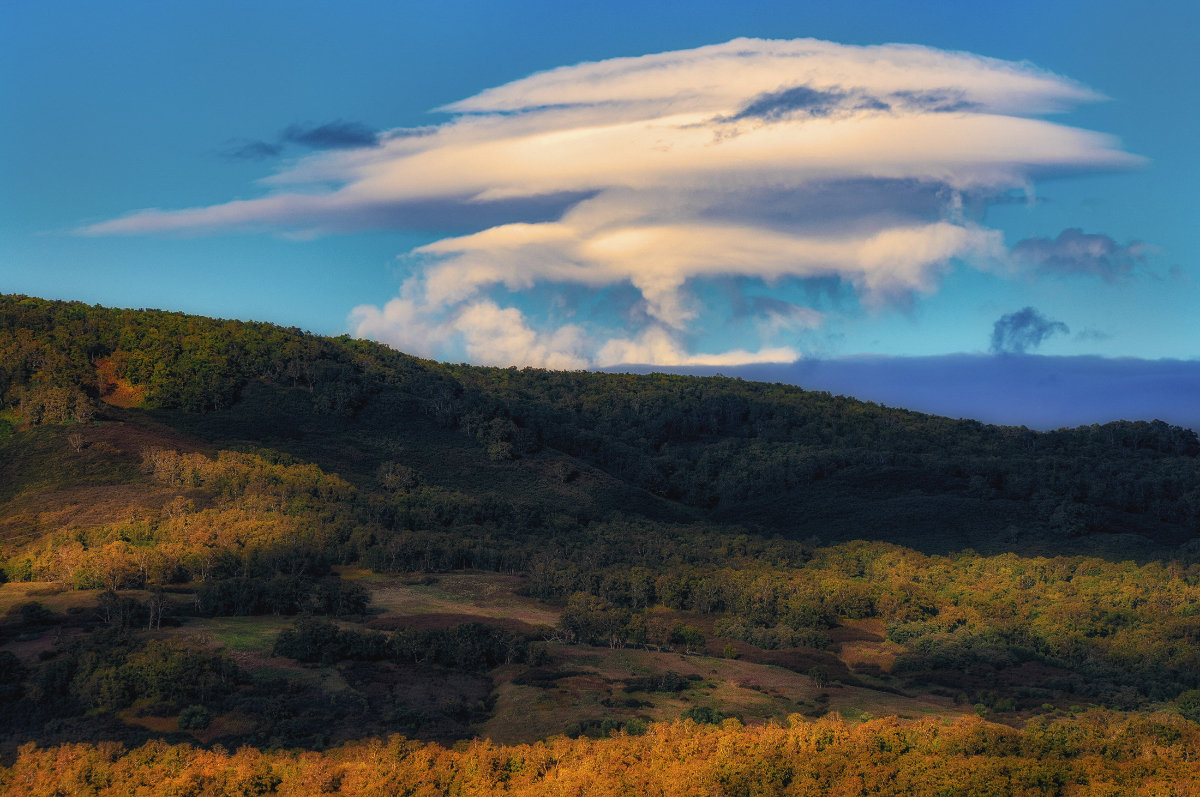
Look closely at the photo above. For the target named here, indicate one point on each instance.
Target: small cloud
(1024, 330)
(251, 150)
(1090, 334)
(779, 315)
(331, 135)
(1077, 252)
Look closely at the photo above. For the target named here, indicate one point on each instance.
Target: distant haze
(1013, 390)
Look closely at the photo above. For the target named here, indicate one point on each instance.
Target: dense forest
(165, 477)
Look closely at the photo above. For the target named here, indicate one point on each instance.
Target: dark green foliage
(704, 715)
(471, 646)
(771, 638)
(1189, 704)
(35, 613)
(281, 594)
(669, 681)
(109, 670)
(194, 718)
(601, 728)
(688, 637)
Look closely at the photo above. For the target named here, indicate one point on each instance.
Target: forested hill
(761, 457)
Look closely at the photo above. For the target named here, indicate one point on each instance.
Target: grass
(460, 597)
(249, 634)
(42, 458)
(51, 596)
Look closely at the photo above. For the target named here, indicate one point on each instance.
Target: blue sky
(1020, 180)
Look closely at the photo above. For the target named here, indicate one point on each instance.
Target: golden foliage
(1095, 753)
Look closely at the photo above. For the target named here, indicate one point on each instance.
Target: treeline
(107, 671)
(1096, 753)
(468, 646)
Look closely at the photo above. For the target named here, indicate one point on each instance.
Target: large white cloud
(778, 160)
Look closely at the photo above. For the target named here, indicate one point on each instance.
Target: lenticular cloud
(773, 161)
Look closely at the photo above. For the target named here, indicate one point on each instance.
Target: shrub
(194, 718)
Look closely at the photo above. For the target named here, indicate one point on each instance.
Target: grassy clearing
(461, 597)
(54, 598)
(252, 634)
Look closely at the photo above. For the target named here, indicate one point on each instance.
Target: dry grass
(33, 515)
(456, 598)
(861, 644)
(117, 391)
(47, 593)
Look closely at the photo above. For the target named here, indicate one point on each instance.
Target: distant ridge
(1037, 391)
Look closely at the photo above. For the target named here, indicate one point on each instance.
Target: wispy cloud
(1076, 252)
(337, 134)
(250, 149)
(776, 160)
(1024, 331)
(331, 135)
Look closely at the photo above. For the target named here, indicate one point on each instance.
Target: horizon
(752, 190)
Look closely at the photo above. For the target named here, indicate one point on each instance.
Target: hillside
(236, 533)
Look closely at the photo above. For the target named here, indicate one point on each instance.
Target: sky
(755, 190)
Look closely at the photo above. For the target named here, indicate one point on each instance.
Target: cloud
(1022, 331)
(656, 346)
(1076, 252)
(780, 161)
(331, 135)
(243, 149)
(1089, 334)
(779, 315)
(492, 335)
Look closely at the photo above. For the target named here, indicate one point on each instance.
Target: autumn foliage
(1095, 754)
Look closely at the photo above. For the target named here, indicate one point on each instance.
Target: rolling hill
(221, 532)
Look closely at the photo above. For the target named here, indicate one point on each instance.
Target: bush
(704, 715)
(34, 613)
(194, 718)
(1189, 704)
